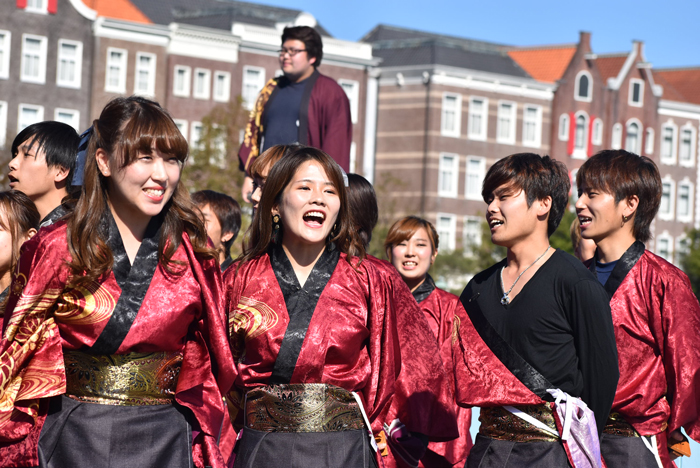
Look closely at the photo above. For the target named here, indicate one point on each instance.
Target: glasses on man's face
(291, 52)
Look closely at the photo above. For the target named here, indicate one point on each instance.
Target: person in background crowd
(411, 246)
(261, 167)
(42, 166)
(313, 322)
(222, 219)
(363, 206)
(584, 249)
(655, 313)
(538, 320)
(300, 106)
(19, 221)
(114, 346)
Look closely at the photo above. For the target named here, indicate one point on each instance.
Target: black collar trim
(55, 214)
(424, 290)
(628, 260)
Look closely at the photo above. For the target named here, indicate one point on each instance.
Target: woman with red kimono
(114, 348)
(313, 327)
(412, 245)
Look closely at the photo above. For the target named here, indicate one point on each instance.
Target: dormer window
(636, 97)
(584, 87)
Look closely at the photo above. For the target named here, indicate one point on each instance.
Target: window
(476, 169)
(574, 187)
(636, 97)
(446, 228)
(616, 142)
(115, 77)
(3, 123)
(686, 148)
(633, 142)
(505, 132)
(70, 62)
(532, 126)
(33, 68)
(581, 136)
(253, 82)
(667, 199)
(664, 246)
(597, 137)
(202, 83)
(5, 40)
(181, 80)
(669, 133)
(564, 127)
(478, 118)
(649, 141)
(182, 126)
(222, 86)
(684, 202)
(37, 6)
(448, 175)
(195, 134)
(145, 78)
(682, 248)
(29, 114)
(451, 114)
(472, 233)
(352, 90)
(68, 116)
(583, 88)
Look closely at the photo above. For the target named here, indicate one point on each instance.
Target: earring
(624, 220)
(276, 222)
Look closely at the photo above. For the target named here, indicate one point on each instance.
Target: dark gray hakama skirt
(492, 453)
(77, 434)
(626, 452)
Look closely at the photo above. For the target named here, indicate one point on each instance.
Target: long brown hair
(260, 235)
(20, 216)
(126, 128)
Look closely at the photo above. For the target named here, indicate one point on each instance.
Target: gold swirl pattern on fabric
(616, 425)
(455, 329)
(302, 408)
(29, 310)
(134, 379)
(85, 305)
(252, 317)
(500, 424)
(250, 136)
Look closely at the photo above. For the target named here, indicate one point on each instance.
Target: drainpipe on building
(424, 178)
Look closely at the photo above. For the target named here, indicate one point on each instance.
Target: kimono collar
(424, 290)
(55, 214)
(628, 260)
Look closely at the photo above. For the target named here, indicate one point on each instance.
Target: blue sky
(669, 29)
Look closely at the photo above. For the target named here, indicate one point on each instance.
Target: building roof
(610, 65)
(118, 9)
(680, 84)
(546, 63)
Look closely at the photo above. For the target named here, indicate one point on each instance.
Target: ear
(433, 257)
(61, 174)
(102, 159)
(226, 237)
(275, 210)
(312, 60)
(29, 234)
(544, 206)
(631, 205)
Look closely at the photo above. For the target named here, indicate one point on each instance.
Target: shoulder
(444, 297)
(569, 269)
(662, 270)
(50, 237)
(328, 85)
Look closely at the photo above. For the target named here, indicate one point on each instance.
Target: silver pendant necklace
(505, 300)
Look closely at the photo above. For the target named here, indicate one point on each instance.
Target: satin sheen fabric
(178, 313)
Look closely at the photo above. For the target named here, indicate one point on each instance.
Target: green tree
(561, 238)
(690, 259)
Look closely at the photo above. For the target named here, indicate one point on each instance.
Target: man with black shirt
(537, 320)
(301, 106)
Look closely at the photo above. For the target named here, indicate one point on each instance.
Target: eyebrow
(325, 182)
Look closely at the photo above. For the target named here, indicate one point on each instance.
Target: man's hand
(675, 437)
(247, 189)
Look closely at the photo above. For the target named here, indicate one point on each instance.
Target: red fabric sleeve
(330, 122)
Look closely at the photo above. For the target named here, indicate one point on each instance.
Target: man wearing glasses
(300, 106)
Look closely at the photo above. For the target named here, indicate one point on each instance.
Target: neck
(130, 226)
(413, 283)
(49, 202)
(222, 256)
(302, 77)
(524, 253)
(303, 255)
(5, 280)
(614, 246)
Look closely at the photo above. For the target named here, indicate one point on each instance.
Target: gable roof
(680, 84)
(546, 63)
(610, 65)
(118, 9)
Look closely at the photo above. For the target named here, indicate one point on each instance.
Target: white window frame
(578, 83)
(453, 176)
(259, 85)
(151, 74)
(484, 115)
(206, 92)
(449, 243)
(672, 158)
(352, 90)
(665, 236)
(225, 95)
(471, 220)
(186, 80)
(537, 142)
(78, 64)
(688, 217)
(649, 141)
(3, 123)
(564, 127)
(182, 125)
(688, 127)
(40, 115)
(6, 51)
(43, 43)
(680, 249)
(582, 153)
(43, 8)
(120, 87)
(597, 137)
(195, 139)
(456, 131)
(616, 136)
(632, 103)
(640, 132)
(668, 215)
(75, 121)
(475, 195)
(513, 118)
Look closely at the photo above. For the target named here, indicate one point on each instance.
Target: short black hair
(227, 211)
(58, 140)
(363, 206)
(311, 39)
(539, 176)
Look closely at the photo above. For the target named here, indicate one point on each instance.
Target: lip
(409, 267)
(493, 227)
(152, 196)
(314, 224)
(585, 222)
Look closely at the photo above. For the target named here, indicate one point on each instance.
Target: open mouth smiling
(314, 218)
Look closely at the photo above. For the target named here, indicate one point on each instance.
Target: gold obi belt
(302, 408)
(616, 425)
(134, 379)
(500, 424)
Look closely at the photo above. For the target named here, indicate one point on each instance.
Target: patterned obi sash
(133, 379)
(616, 425)
(500, 424)
(302, 408)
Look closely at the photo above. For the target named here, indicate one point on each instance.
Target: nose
(13, 163)
(257, 193)
(409, 250)
(579, 205)
(317, 196)
(492, 207)
(159, 173)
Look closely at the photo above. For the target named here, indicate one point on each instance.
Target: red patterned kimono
(45, 317)
(657, 329)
